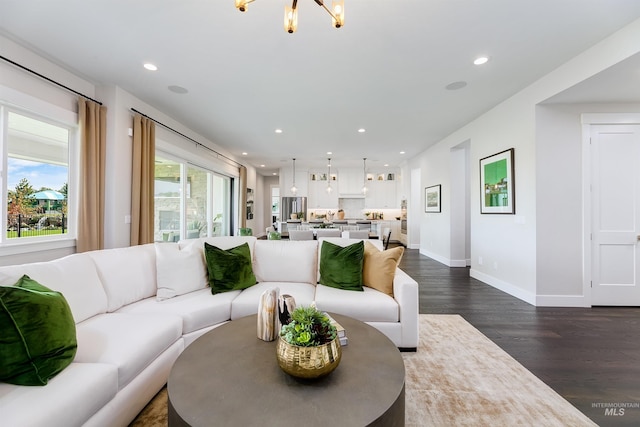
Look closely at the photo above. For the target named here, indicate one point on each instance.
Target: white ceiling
(385, 70)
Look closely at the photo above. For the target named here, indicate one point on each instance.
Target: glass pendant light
(364, 176)
(294, 189)
(329, 189)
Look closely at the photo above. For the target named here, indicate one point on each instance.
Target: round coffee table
(229, 377)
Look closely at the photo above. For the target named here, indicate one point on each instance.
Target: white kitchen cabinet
(350, 183)
(395, 230)
(381, 194)
(318, 196)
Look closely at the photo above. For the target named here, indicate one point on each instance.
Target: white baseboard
(512, 290)
(458, 263)
(562, 301)
(436, 257)
(446, 261)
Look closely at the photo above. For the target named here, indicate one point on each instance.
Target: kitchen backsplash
(355, 213)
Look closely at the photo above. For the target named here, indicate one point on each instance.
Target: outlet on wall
(479, 260)
(495, 265)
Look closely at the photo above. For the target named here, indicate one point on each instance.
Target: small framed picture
(432, 198)
(497, 173)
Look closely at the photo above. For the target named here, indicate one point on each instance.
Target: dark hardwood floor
(589, 356)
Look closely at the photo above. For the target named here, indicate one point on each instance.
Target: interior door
(615, 151)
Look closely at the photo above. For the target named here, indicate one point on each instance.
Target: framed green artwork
(497, 182)
(432, 198)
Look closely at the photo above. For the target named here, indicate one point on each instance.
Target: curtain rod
(48, 79)
(187, 137)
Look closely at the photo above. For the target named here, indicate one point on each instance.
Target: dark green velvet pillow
(37, 333)
(341, 267)
(230, 269)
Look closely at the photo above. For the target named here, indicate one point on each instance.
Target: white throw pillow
(179, 271)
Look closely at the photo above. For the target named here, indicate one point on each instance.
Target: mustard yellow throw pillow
(380, 267)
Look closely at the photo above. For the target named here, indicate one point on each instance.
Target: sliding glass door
(190, 201)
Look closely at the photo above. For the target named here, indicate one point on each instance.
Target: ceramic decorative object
(286, 305)
(308, 362)
(267, 315)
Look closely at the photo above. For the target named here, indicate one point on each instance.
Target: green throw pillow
(37, 333)
(341, 267)
(230, 269)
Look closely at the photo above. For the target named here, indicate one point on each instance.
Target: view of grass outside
(33, 213)
(37, 176)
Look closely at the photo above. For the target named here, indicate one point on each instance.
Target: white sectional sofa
(128, 339)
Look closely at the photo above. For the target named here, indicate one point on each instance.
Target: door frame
(588, 120)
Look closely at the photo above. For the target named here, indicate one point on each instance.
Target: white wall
(507, 245)
(119, 157)
(559, 181)
(119, 120)
(460, 214)
(435, 228)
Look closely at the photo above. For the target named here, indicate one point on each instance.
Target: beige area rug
(458, 377)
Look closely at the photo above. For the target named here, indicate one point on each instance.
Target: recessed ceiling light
(178, 89)
(149, 66)
(274, 173)
(456, 85)
(261, 166)
(386, 165)
(402, 152)
(481, 60)
(329, 153)
(278, 130)
(244, 153)
(362, 130)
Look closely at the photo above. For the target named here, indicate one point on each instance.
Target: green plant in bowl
(308, 327)
(308, 346)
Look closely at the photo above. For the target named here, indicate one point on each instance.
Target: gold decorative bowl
(308, 362)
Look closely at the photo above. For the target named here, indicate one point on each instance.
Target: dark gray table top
(229, 377)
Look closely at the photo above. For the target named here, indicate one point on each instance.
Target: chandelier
(291, 13)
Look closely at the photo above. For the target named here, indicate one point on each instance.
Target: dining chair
(328, 232)
(348, 227)
(364, 225)
(356, 234)
(386, 236)
(300, 235)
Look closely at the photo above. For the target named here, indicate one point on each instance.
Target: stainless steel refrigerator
(289, 205)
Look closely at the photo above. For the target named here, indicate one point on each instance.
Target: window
(36, 183)
(190, 201)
